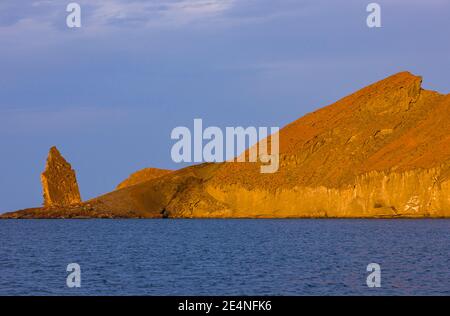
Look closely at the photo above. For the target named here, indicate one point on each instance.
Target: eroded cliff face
(59, 181)
(418, 193)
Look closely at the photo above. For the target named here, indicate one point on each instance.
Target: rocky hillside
(143, 176)
(383, 151)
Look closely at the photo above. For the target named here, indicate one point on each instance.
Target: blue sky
(109, 94)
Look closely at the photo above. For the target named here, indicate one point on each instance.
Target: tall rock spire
(59, 182)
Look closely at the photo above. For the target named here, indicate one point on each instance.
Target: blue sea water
(225, 257)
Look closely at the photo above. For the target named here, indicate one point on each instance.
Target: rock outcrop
(59, 182)
(382, 152)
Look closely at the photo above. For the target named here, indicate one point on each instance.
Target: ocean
(225, 257)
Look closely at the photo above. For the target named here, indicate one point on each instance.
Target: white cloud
(153, 13)
(100, 13)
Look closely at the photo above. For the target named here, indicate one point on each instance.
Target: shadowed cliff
(383, 151)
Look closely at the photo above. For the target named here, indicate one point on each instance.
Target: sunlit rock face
(142, 176)
(59, 181)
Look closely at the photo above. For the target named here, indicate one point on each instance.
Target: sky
(109, 93)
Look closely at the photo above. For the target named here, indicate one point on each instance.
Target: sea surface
(225, 257)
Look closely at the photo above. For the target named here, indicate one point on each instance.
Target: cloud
(98, 14)
(101, 15)
(157, 13)
(115, 12)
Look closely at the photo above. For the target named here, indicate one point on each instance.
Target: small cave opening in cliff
(164, 213)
